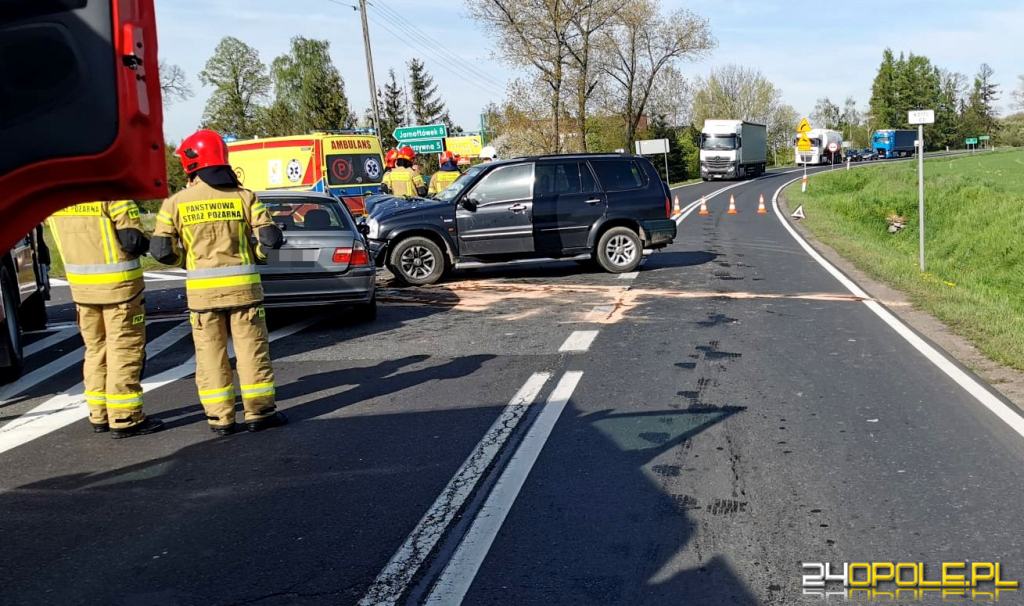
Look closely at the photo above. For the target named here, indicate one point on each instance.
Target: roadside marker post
(803, 182)
(847, 162)
(920, 118)
(732, 205)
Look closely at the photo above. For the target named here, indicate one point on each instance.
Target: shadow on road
(591, 527)
(680, 258)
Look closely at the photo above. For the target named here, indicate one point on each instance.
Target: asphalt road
(532, 435)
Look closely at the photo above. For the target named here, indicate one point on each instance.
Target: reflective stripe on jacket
(402, 182)
(441, 180)
(214, 229)
(98, 270)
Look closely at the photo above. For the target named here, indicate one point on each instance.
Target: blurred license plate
(302, 254)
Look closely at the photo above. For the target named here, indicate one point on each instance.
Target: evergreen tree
(884, 96)
(947, 127)
(426, 106)
(309, 90)
(392, 110)
(979, 116)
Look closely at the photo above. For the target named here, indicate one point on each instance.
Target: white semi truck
(732, 149)
(821, 139)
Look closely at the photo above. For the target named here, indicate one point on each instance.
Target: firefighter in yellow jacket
(210, 226)
(446, 176)
(402, 181)
(101, 243)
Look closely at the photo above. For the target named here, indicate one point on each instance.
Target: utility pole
(369, 68)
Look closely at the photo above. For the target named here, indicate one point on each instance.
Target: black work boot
(146, 427)
(224, 430)
(99, 427)
(275, 420)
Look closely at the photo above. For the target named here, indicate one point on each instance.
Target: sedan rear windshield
(306, 214)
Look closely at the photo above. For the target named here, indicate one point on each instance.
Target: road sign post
(803, 143)
(654, 146)
(427, 139)
(920, 118)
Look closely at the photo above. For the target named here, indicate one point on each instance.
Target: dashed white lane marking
(57, 337)
(394, 579)
(64, 409)
(964, 380)
(454, 582)
(579, 341)
(629, 275)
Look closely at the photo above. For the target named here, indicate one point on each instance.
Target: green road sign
(406, 134)
(430, 146)
(971, 141)
(983, 138)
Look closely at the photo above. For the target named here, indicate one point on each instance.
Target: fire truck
(346, 164)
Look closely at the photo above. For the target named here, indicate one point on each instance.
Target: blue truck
(893, 143)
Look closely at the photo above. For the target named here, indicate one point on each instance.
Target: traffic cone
(703, 208)
(677, 209)
(803, 184)
(732, 205)
(761, 210)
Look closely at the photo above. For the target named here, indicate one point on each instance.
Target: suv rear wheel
(417, 261)
(619, 250)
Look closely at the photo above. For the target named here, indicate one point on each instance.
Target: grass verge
(974, 239)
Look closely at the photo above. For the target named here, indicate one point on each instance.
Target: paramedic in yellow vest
(101, 243)
(402, 181)
(446, 176)
(210, 225)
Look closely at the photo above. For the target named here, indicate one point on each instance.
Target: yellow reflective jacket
(441, 180)
(213, 226)
(403, 182)
(98, 270)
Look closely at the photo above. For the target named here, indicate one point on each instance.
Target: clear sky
(808, 49)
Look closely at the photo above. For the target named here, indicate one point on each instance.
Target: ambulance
(346, 164)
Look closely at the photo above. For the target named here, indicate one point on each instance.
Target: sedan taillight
(355, 255)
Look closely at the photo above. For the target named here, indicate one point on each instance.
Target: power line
(444, 65)
(432, 44)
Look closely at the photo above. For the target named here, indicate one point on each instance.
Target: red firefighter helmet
(406, 153)
(447, 156)
(201, 149)
(390, 157)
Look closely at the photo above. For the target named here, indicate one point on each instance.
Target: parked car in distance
(324, 259)
(608, 208)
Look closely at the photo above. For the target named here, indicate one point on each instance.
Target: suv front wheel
(619, 250)
(417, 261)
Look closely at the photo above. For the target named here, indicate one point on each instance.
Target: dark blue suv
(608, 208)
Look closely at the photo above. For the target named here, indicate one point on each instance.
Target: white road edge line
(968, 383)
(454, 582)
(66, 408)
(579, 341)
(394, 579)
(37, 346)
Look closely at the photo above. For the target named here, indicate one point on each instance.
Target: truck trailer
(893, 143)
(732, 149)
(821, 139)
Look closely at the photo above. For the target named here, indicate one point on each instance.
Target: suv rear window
(305, 214)
(619, 175)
